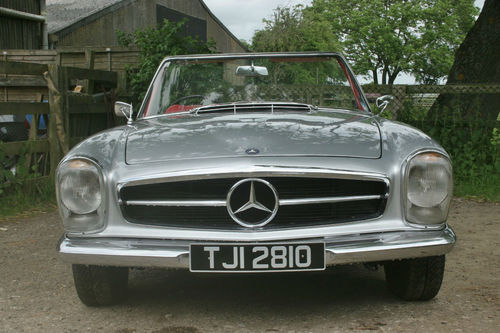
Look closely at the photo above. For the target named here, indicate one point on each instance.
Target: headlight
(428, 188)
(80, 192)
(80, 187)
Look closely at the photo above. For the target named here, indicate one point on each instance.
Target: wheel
(416, 279)
(100, 285)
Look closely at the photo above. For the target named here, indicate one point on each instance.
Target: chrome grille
(303, 201)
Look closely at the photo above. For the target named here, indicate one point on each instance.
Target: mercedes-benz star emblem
(252, 151)
(252, 202)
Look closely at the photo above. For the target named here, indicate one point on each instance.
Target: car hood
(321, 133)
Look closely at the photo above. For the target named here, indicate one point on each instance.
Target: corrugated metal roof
(62, 13)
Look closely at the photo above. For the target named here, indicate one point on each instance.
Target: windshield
(184, 85)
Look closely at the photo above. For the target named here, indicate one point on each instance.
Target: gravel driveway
(37, 294)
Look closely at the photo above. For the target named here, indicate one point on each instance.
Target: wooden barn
(88, 23)
(22, 24)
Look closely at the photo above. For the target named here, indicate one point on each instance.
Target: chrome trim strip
(175, 254)
(307, 201)
(177, 203)
(223, 203)
(254, 171)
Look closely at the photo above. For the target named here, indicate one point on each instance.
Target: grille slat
(200, 203)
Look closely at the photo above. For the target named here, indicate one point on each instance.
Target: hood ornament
(252, 151)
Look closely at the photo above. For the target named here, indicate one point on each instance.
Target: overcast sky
(243, 17)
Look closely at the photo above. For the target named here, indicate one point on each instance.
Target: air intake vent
(257, 107)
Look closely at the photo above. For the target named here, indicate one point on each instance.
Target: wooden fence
(423, 96)
(69, 116)
(114, 59)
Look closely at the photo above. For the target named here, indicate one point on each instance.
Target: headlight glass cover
(428, 188)
(80, 192)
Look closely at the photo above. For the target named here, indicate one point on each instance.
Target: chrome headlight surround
(427, 188)
(81, 195)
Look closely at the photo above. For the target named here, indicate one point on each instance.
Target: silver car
(245, 163)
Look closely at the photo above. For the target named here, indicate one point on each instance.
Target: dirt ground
(37, 293)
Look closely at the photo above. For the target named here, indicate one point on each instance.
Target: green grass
(481, 188)
(31, 198)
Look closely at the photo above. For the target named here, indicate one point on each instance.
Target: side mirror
(383, 101)
(123, 109)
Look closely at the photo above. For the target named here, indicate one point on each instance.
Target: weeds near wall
(22, 187)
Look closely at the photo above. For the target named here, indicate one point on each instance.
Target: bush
(473, 144)
(22, 188)
(154, 44)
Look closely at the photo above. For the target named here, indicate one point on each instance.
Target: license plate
(256, 257)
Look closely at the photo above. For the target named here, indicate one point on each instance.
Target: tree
(465, 123)
(476, 61)
(154, 44)
(390, 37)
(246, 44)
(290, 29)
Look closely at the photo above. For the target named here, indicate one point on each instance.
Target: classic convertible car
(246, 163)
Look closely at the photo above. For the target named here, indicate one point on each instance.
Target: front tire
(416, 279)
(100, 285)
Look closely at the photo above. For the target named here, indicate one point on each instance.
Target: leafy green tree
(154, 44)
(390, 37)
(246, 44)
(291, 29)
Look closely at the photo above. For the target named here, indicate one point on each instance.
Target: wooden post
(90, 59)
(121, 86)
(110, 66)
(55, 152)
(5, 89)
(56, 131)
(58, 60)
(33, 130)
(63, 89)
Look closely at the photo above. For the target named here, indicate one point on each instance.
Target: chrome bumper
(175, 253)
